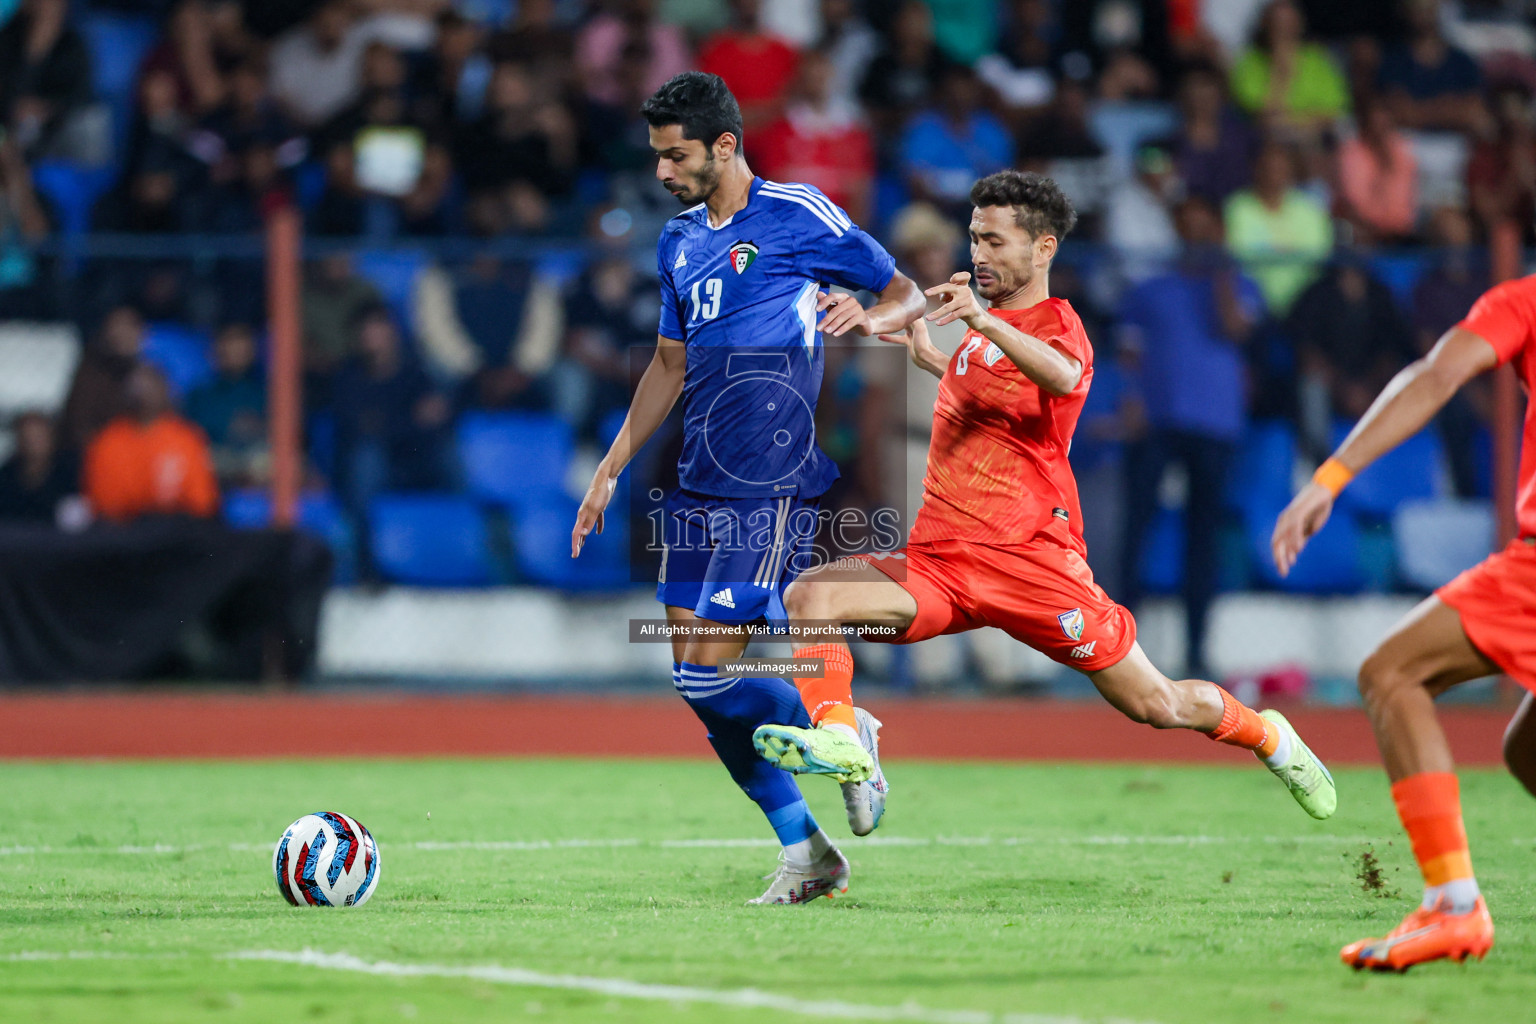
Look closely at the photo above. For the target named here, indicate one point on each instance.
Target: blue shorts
(729, 559)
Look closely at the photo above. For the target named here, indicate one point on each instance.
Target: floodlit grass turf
(1068, 910)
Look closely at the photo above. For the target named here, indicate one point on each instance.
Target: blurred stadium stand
(509, 368)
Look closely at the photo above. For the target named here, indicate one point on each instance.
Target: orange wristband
(1333, 475)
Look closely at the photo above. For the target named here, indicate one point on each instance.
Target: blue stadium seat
(1412, 470)
(541, 540)
(1436, 540)
(1330, 563)
(515, 459)
(319, 515)
(322, 515)
(72, 191)
(1261, 473)
(1376, 555)
(1162, 553)
(393, 272)
(431, 540)
(118, 45)
(181, 352)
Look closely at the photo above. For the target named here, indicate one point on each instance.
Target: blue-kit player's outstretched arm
(750, 275)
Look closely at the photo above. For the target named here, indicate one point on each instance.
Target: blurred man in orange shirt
(150, 461)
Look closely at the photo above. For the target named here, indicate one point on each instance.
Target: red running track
(223, 725)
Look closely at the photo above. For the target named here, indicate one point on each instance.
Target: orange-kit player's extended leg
(856, 592)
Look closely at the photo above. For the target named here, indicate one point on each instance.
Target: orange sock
(1429, 803)
(1241, 726)
(829, 696)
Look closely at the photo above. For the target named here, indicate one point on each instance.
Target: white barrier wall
(527, 634)
(485, 634)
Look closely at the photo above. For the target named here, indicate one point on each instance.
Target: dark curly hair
(1039, 205)
(698, 101)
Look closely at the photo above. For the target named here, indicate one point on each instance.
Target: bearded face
(685, 167)
(1003, 254)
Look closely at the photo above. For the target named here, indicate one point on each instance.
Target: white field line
(734, 998)
(537, 845)
(737, 998)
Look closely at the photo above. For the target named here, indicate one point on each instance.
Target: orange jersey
(165, 466)
(1505, 317)
(997, 464)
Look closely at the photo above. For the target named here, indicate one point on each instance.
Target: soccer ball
(326, 859)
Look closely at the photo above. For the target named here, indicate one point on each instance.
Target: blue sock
(792, 823)
(731, 708)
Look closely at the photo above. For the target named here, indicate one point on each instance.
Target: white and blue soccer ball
(326, 859)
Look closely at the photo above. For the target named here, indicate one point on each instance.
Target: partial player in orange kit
(999, 539)
(1481, 622)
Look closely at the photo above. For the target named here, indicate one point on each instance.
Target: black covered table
(158, 598)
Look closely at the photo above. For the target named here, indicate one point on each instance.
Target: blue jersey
(742, 297)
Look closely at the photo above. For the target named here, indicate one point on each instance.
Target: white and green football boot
(1304, 775)
(865, 801)
(813, 752)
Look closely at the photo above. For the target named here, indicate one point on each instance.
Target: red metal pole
(1504, 263)
(285, 379)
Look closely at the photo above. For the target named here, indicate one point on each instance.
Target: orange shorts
(1043, 596)
(1497, 602)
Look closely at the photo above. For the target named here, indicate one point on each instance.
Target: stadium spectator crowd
(1282, 202)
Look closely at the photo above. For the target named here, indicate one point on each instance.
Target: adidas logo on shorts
(724, 598)
(1084, 650)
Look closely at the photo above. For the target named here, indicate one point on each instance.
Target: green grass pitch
(1008, 893)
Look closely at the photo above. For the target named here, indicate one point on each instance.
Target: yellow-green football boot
(1304, 775)
(814, 752)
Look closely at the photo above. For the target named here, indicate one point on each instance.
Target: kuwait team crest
(742, 255)
(1072, 623)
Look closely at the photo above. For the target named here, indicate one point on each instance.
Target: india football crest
(992, 354)
(1072, 623)
(742, 255)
